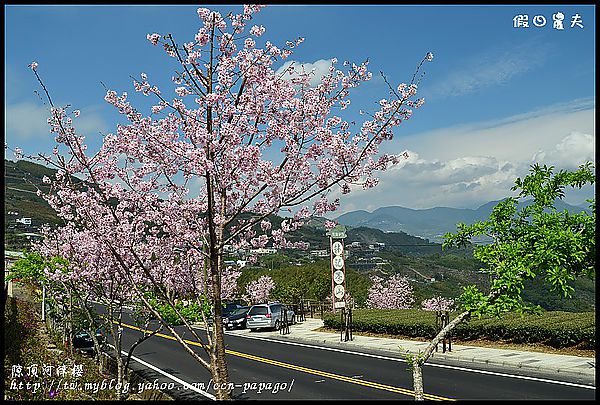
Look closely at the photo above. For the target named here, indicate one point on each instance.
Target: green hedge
(191, 312)
(555, 328)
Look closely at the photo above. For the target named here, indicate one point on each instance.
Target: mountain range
(22, 177)
(431, 223)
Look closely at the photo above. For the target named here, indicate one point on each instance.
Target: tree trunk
(140, 340)
(418, 380)
(218, 364)
(71, 333)
(117, 332)
(97, 348)
(219, 368)
(419, 360)
(120, 366)
(93, 326)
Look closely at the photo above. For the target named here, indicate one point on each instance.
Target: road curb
(587, 374)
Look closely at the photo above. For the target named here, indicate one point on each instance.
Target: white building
(319, 253)
(263, 251)
(24, 221)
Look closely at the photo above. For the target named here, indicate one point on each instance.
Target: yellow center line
(312, 371)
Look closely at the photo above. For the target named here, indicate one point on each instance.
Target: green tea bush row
(555, 328)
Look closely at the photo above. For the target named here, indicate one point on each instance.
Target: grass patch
(35, 368)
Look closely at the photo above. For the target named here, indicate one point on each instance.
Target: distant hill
(20, 181)
(431, 223)
(22, 177)
(314, 233)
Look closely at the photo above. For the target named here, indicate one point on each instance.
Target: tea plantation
(554, 328)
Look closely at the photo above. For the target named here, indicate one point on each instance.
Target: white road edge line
(426, 364)
(172, 377)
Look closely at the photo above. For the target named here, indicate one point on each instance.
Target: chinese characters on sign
(539, 20)
(338, 268)
(576, 21)
(522, 21)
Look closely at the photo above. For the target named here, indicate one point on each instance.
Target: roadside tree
(533, 241)
(437, 304)
(88, 278)
(239, 142)
(259, 291)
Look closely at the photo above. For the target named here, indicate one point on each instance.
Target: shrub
(554, 328)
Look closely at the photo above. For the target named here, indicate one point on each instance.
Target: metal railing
(310, 309)
(442, 318)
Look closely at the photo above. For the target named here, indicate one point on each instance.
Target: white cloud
(515, 138)
(28, 121)
(490, 68)
(25, 121)
(470, 165)
(319, 69)
(573, 150)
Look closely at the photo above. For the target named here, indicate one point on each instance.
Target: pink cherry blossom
(153, 38)
(249, 43)
(168, 192)
(438, 304)
(395, 293)
(258, 291)
(330, 224)
(257, 30)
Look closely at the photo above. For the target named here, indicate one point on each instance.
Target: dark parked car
(227, 309)
(84, 342)
(236, 319)
(231, 307)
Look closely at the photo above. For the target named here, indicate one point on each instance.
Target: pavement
(556, 366)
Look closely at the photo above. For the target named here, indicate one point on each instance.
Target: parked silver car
(268, 316)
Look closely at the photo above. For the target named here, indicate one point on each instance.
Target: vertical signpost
(338, 267)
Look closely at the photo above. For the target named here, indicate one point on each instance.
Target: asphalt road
(268, 370)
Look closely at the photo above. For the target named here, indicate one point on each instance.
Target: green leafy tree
(30, 268)
(535, 241)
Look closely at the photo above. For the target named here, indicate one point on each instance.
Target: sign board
(338, 262)
(337, 248)
(337, 232)
(338, 277)
(338, 266)
(339, 291)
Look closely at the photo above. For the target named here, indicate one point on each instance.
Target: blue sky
(498, 98)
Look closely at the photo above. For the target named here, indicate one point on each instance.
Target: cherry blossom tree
(395, 293)
(87, 282)
(236, 143)
(229, 283)
(438, 304)
(258, 291)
